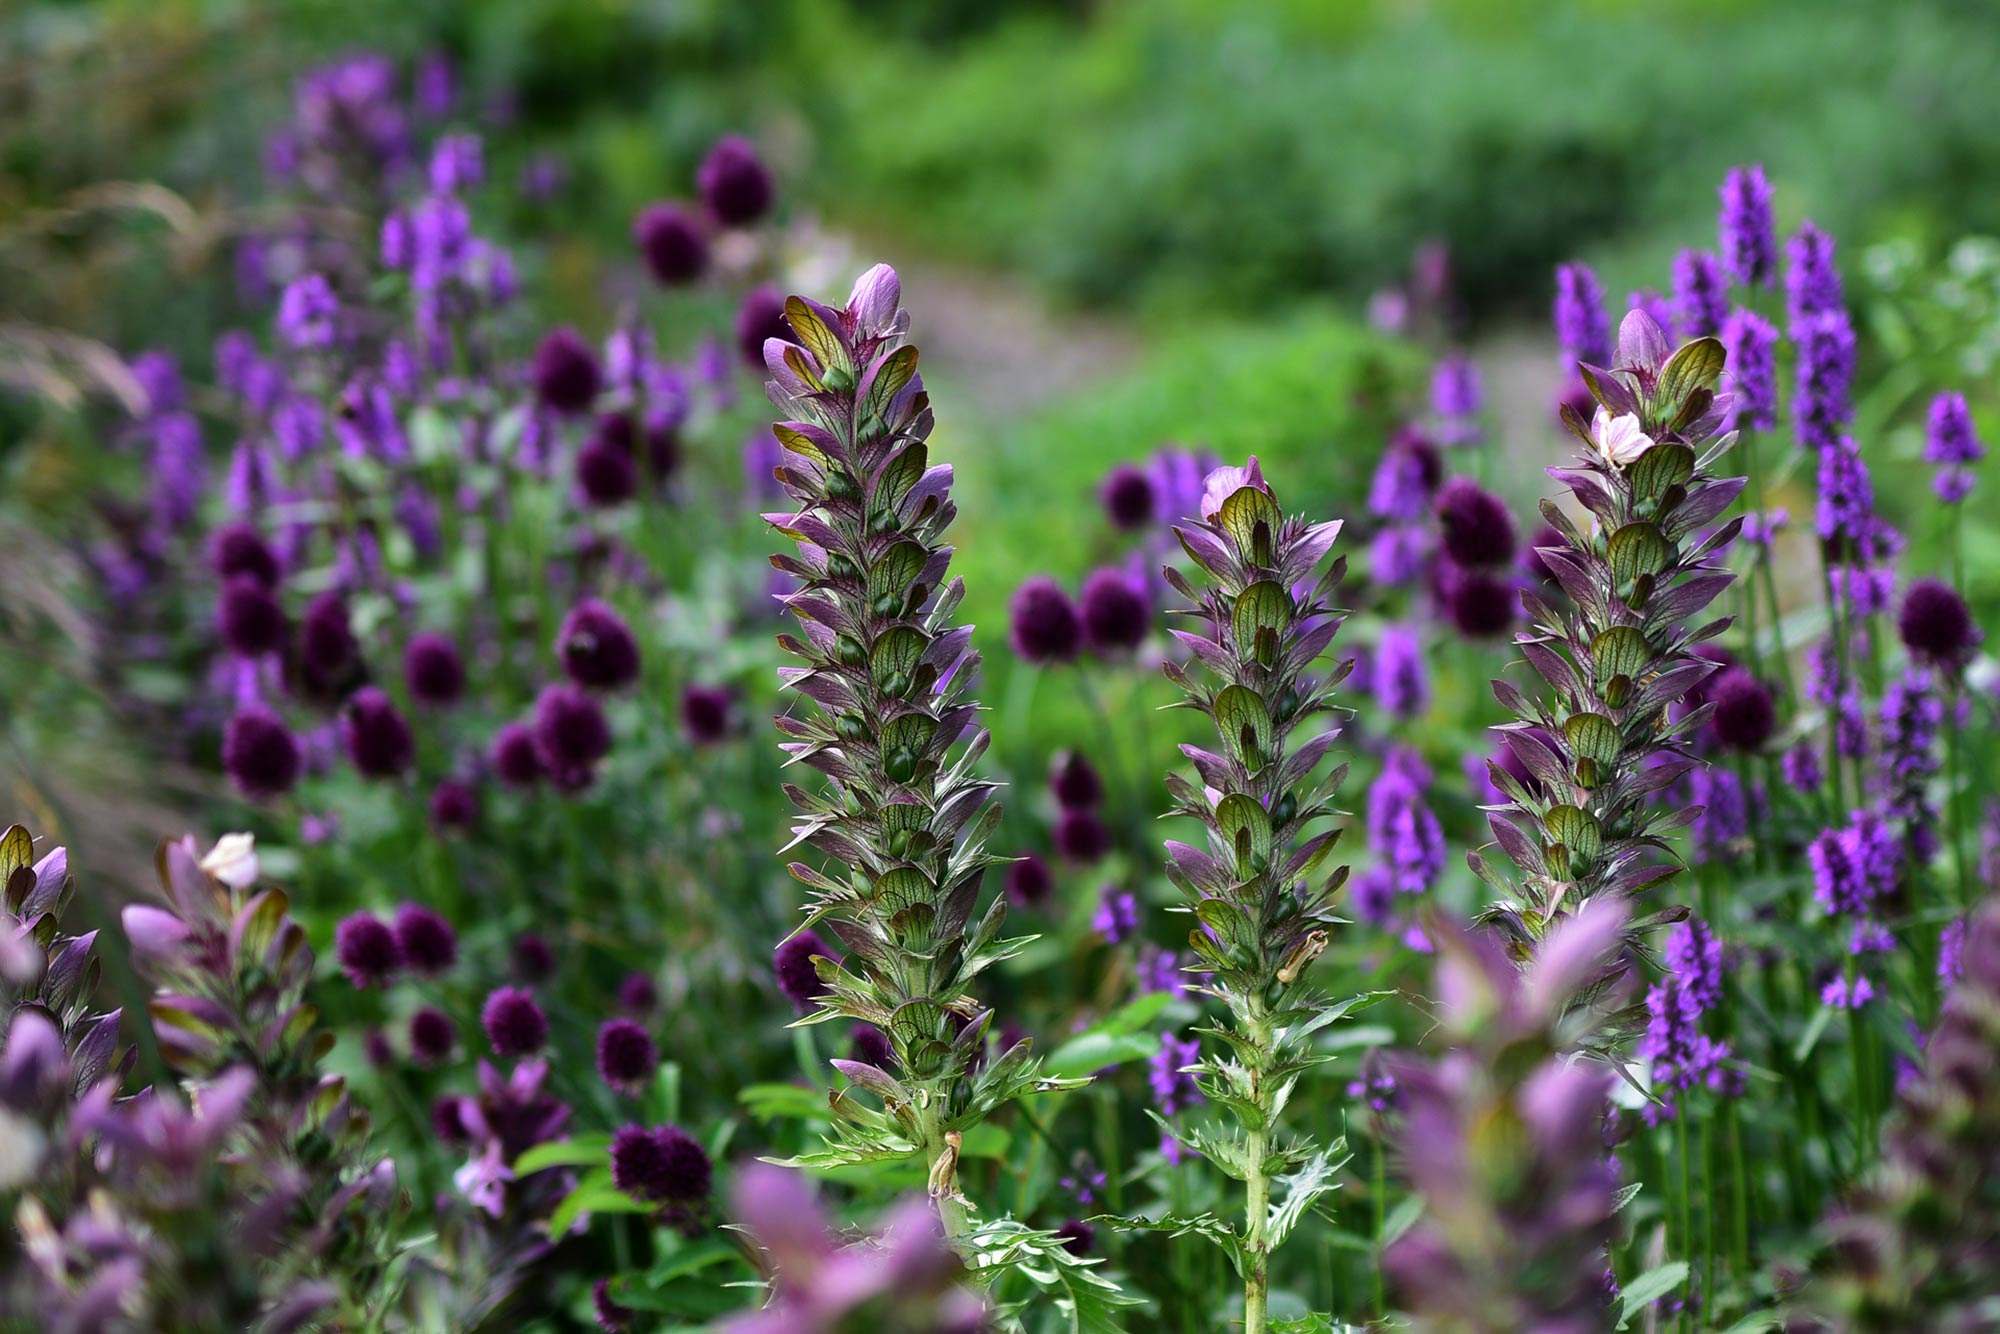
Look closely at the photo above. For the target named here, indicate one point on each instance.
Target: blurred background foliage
(1124, 223)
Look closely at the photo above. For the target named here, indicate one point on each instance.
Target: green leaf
(778, 1102)
(1648, 1288)
(1400, 1220)
(593, 1194)
(1092, 1051)
(583, 1151)
(1815, 1027)
(1314, 1178)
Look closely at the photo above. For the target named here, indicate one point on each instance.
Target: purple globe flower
(433, 1036)
(249, 619)
(530, 959)
(1131, 500)
(1479, 605)
(448, 1119)
(1116, 613)
(571, 735)
(432, 670)
(329, 654)
(1082, 837)
(1936, 625)
(638, 995)
(597, 648)
(1044, 625)
(1078, 1237)
(378, 737)
(516, 758)
(870, 1046)
(1478, 530)
(671, 241)
(239, 549)
(792, 963)
(566, 374)
(626, 1056)
(429, 945)
(1074, 781)
(366, 950)
(454, 806)
(734, 182)
(606, 475)
(660, 1164)
(1029, 881)
(760, 317)
(514, 1022)
(259, 753)
(707, 714)
(1744, 717)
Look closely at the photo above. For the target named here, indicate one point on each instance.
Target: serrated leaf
(1315, 1177)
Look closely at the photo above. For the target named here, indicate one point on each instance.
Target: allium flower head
(567, 376)
(1479, 605)
(377, 736)
(660, 1164)
(734, 182)
(707, 714)
(1075, 782)
(1044, 626)
(433, 670)
(329, 654)
(1478, 530)
(239, 549)
(571, 735)
(259, 753)
(1744, 717)
(671, 241)
(606, 475)
(530, 959)
(1029, 881)
(1081, 837)
(1131, 501)
(367, 950)
(792, 964)
(1936, 624)
(426, 940)
(1116, 613)
(516, 758)
(638, 994)
(433, 1036)
(597, 648)
(249, 618)
(626, 1056)
(759, 319)
(454, 806)
(514, 1022)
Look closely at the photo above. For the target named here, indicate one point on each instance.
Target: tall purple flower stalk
(1263, 905)
(1596, 732)
(896, 735)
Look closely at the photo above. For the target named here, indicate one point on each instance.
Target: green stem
(1257, 1190)
(1739, 1189)
(941, 1156)
(1381, 1219)
(1687, 1198)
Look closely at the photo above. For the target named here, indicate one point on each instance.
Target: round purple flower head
(597, 648)
(1748, 237)
(606, 475)
(329, 654)
(870, 1046)
(1077, 1236)
(366, 950)
(706, 714)
(626, 1056)
(259, 753)
(1936, 625)
(429, 946)
(1478, 530)
(1074, 781)
(1131, 500)
(432, 1036)
(660, 1164)
(793, 965)
(566, 374)
(432, 670)
(514, 1022)
(454, 806)
(377, 735)
(638, 995)
(1744, 717)
(1043, 624)
(1029, 881)
(249, 619)
(761, 316)
(1480, 606)
(239, 549)
(734, 183)
(1116, 613)
(516, 759)
(448, 1119)
(670, 240)
(571, 735)
(530, 959)
(1082, 837)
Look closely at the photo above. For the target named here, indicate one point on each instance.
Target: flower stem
(1257, 1190)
